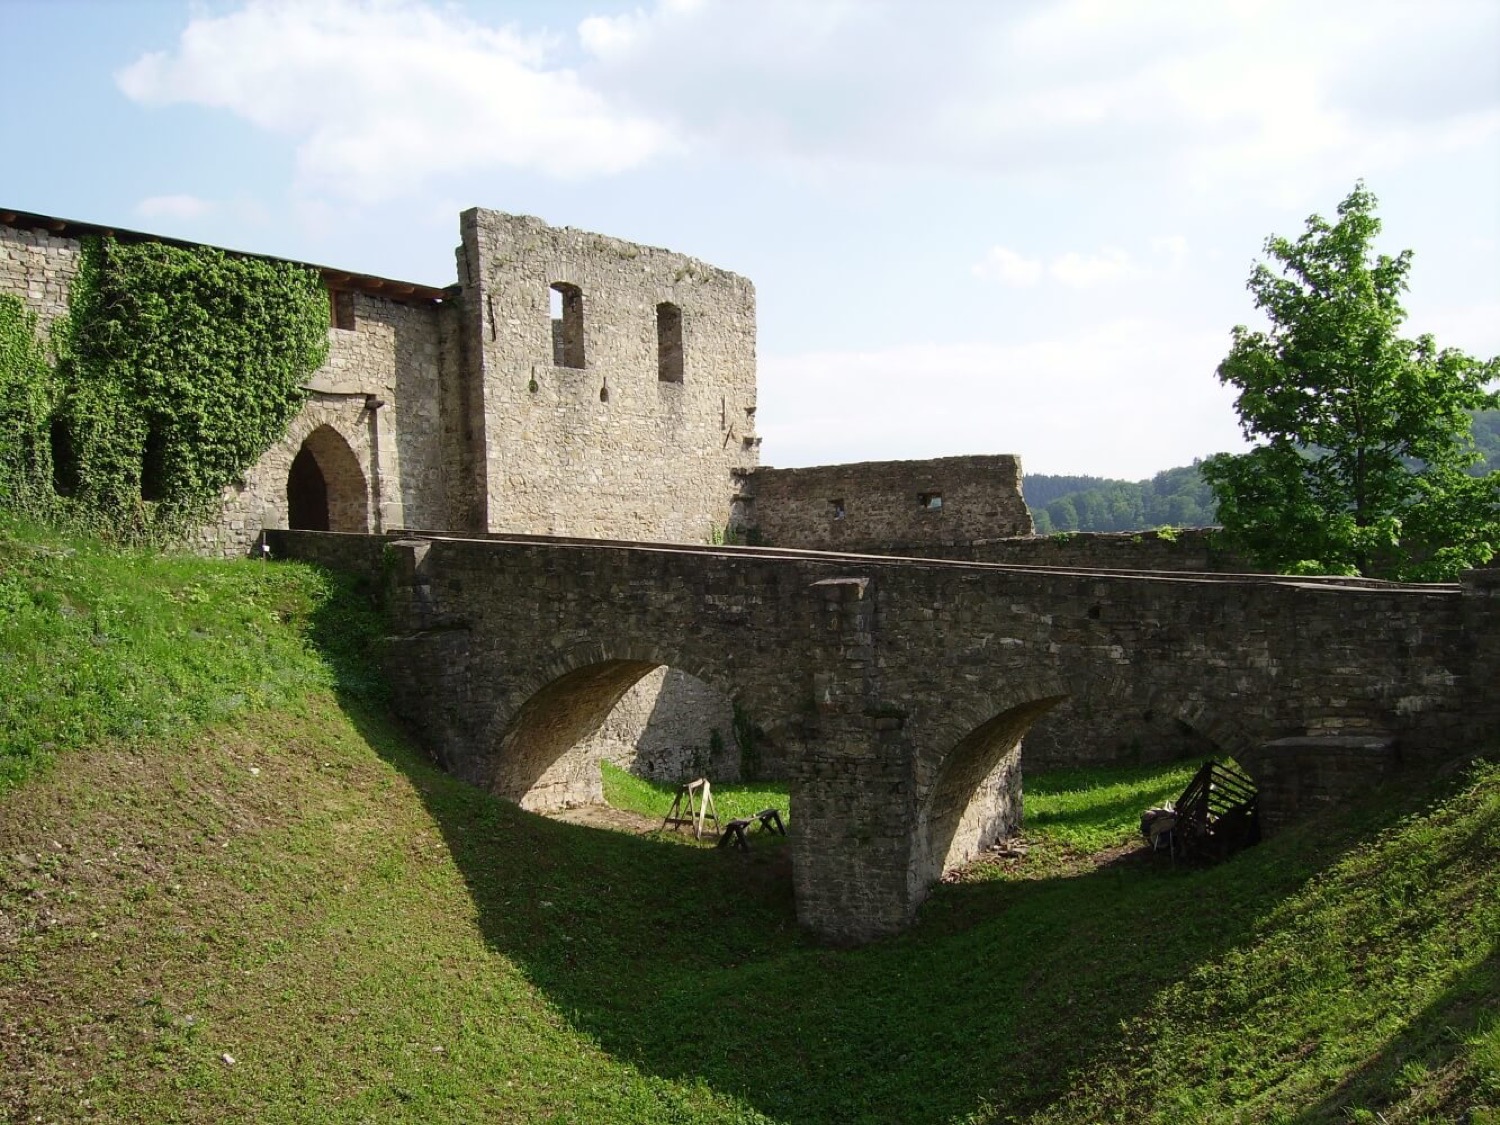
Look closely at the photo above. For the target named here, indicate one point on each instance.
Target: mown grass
(1071, 812)
(98, 642)
(732, 800)
(1089, 810)
(371, 940)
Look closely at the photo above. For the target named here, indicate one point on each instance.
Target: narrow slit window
(567, 325)
(341, 303)
(668, 343)
(930, 501)
(64, 458)
(154, 464)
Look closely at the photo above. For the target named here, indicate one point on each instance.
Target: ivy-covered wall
(28, 398)
(174, 370)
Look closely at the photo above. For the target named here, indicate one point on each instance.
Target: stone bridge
(899, 690)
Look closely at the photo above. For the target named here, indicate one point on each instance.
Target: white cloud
(383, 95)
(1272, 97)
(1118, 398)
(184, 207)
(1008, 267)
(1084, 271)
(1263, 96)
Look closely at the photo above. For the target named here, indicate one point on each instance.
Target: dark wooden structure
(734, 831)
(1217, 814)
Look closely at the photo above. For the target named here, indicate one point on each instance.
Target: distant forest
(1172, 498)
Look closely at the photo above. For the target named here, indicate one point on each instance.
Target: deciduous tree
(1363, 436)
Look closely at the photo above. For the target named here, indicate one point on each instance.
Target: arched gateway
(325, 489)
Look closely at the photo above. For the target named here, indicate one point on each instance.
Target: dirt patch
(606, 816)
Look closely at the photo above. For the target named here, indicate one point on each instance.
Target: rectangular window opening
(668, 343)
(567, 325)
(837, 508)
(930, 501)
(341, 309)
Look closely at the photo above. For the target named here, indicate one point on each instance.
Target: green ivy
(28, 396)
(177, 368)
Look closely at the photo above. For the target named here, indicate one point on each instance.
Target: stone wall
(460, 416)
(609, 448)
(389, 358)
(892, 507)
(339, 427)
(392, 356)
(38, 267)
(669, 727)
(1183, 549)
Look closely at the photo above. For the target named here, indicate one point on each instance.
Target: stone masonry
(571, 384)
(458, 411)
(452, 410)
(889, 507)
(630, 436)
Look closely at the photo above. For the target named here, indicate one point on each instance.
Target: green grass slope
(281, 880)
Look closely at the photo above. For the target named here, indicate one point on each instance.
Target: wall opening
(341, 309)
(836, 509)
(154, 463)
(975, 799)
(930, 501)
(540, 764)
(668, 343)
(670, 727)
(64, 458)
(306, 494)
(325, 489)
(651, 719)
(567, 325)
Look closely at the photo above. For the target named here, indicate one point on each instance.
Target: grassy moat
(215, 845)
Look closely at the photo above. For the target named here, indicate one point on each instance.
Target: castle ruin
(602, 395)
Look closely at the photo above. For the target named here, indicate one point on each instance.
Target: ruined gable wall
(608, 450)
(980, 499)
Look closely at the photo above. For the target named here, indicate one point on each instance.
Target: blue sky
(974, 226)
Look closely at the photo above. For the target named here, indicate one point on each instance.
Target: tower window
(341, 305)
(668, 343)
(930, 501)
(567, 325)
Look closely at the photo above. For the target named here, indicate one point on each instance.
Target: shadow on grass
(1427, 1043)
(688, 963)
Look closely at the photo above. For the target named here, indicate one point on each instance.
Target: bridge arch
(1228, 736)
(971, 795)
(549, 715)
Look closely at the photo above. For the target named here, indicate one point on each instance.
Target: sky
(974, 226)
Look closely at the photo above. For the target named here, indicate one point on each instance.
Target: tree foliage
(1365, 438)
(1172, 498)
